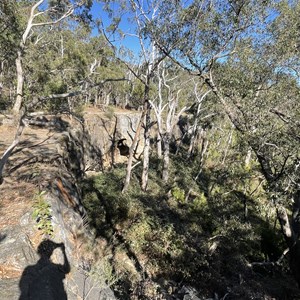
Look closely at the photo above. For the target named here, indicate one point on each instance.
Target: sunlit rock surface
(49, 161)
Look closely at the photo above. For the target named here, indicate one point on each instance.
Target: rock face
(17, 236)
(41, 180)
(106, 131)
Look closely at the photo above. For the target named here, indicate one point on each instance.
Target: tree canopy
(217, 83)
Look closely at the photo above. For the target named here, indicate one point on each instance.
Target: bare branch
(9, 150)
(65, 15)
(29, 23)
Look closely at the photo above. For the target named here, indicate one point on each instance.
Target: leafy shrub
(109, 112)
(178, 194)
(199, 203)
(42, 214)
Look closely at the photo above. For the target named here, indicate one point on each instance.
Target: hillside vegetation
(195, 190)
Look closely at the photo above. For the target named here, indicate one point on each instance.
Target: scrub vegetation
(212, 202)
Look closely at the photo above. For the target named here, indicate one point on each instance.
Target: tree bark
(9, 150)
(166, 157)
(158, 145)
(132, 148)
(248, 158)
(146, 152)
(20, 82)
(204, 146)
(195, 126)
(20, 76)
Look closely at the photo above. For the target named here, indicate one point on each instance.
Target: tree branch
(65, 15)
(9, 150)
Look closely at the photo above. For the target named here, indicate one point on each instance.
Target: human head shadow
(44, 280)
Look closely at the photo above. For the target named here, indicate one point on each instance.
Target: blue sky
(129, 42)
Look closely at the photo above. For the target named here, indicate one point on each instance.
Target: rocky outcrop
(40, 199)
(108, 132)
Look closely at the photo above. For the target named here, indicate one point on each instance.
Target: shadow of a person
(44, 280)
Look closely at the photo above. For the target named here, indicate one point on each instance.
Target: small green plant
(42, 214)
(102, 275)
(200, 203)
(109, 113)
(178, 194)
(138, 234)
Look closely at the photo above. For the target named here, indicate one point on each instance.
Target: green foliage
(140, 233)
(199, 203)
(164, 228)
(42, 214)
(10, 30)
(102, 273)
(109, 112)
(178, 194)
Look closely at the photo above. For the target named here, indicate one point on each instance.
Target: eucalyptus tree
(247, 53)
(70, 60)
(10, 32)
(141, 14)
(200, 96)
(42, 14)
(264, 100)
(171, 101)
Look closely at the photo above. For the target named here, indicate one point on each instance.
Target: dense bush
(197, 238)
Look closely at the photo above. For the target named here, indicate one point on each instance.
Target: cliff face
(40, 199)
(112, 133)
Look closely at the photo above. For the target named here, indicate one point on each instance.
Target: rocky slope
(40, 199)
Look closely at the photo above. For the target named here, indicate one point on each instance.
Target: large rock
(107, 130)
(51, 160)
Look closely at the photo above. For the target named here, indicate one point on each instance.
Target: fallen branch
(270, 263)
(10, 149)
(135, 165)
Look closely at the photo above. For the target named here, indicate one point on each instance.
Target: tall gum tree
(258, 40)
(141, 14)
(41, 14)
(168, 110)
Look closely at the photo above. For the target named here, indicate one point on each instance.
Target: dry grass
(9, 271)
(15, 201)
(16, 197)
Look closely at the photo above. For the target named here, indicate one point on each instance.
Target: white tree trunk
(146, 152)
(158, 145)
(29, 26)
(248, 158)
(166, 157)
(20, 82)
(132, 149)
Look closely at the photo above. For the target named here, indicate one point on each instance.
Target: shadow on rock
(44, 280)
(2, 237)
